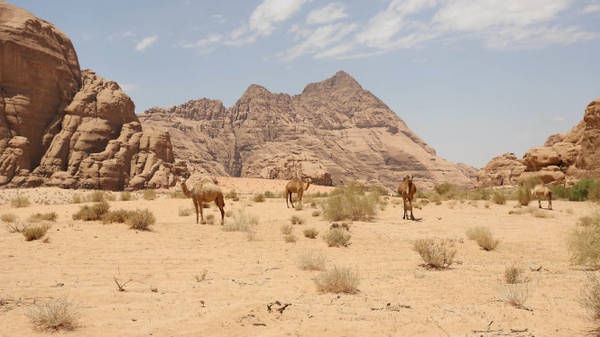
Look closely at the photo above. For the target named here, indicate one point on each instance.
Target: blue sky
(474, 79)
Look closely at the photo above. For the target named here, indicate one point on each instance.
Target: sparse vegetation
(186, 211)
(589, 220)
(296, 220)
(96, 196)
(515, 294)
(231, 195)
(513, 274)
(311, 261)
(437, 254)
(269, 194)
(310, 233)
(210, 219)
(91, 213)
(584, 245)
(259, 198)
(585, 189)
(20, 201)
(53, 316)
(242, 222)
(338, 280)
(290, 238)
(350, 202)
(524, 196)
(141, 220)
(483, 236)
(8, 217)
(177, 195)
(337, 237)
(118, 216)
(286, 229)
(149, 194)
(498, 198)
(590, 297)
(76, 199)
(298, 206)
(316, 213)
(34, 232)
(445, 190)
(37, 217)
(126, 196)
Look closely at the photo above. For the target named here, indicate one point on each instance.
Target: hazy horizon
(473, 79)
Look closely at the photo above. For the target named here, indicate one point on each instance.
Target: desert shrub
(37, 217)
(76, 199)
(269, 194)
(110, 196)
(186, 211)
(436, 199)
(54, 316)
(91, 213)
(316, 213)
(435, 253)
(478, 194)
(118, 216)
(445, 190)
(515, 294)
(337, 237)
(20, 201)
(379, 189)
(498, 198)
(177, 195)
(126, 196)
(530, 182)
(594, 193)
(589, 220)
(242, 222)
(149, 194)
(350, 202)
(231, 195)
(524, 196)
(141, 220)
(483, 237)
(590, 297)
(338, 280)
(298, 206)
(296, 220)
(310, 233)
(513, 274)
(311, 261)
(34, 232)
(210, 219)
(258, 198)
(286, 229)
(96, 196)
(580, 191)
(290, 238)
(559, 192)
(584, 245)
(8, 217)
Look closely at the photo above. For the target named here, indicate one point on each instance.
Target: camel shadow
(416, 219)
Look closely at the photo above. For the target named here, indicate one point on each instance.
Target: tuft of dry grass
(91, 213)
(126, 196)
(296, 220)
(311, 233)
(583, 243)
(350, 202)
(231, 195)
(337, 237)
(513, 274)
(96, 196)
(242, 222)
(316, 213)
(589, 220)
(298, 206)
(311, 261)
(37, 217)
(54, 316)
(76, 198)
(20, 201)
(149, 194)
(290, 238)
(186, 211)
(259, 198)
(524, 196)
(210, 219)
(119, 216)
(338, 280)
(286, 229)
(15, 228)
(589, 297)
(437, 254)
(498, 198)
(35, 232)
(8, 217)
(141, 220)
(483, 237)
(515, 294)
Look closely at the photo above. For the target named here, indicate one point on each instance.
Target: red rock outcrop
(564, 158)
(63, 126)
(333, 131)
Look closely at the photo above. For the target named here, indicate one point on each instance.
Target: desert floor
(165, 298)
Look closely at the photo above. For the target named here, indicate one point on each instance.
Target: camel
(204, 190)
(542, 192)
(295, 186)
(407, 189)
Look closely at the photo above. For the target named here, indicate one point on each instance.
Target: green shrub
(337, 237)
(350, 202)
(20, 201)
(37, 217)
(34, 232)
(91, 213)
(498, 198)
(141, 219)
(242, 222)
(560, 192)
(149, 194)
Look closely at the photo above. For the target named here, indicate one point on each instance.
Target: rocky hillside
(332, 132)
(564, 158)
(65, 127)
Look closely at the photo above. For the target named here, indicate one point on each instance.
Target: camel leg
(300, 198)
(540, 203)
(404, 206)
(196, 206)
(287, 197)
(412, 217)
(292, 200)
(550, 203)
(201, 212)
(220, 203)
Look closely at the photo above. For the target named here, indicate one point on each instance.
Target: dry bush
(499, 198)
(310, 233)
(524, 196)
(316, 213)
(311, 261)
(110, 196)
(584, 245)
(231, 195)
(126, 196)
(290, 238)
(259, 198)
(296, 220)
(286, 229)
(210, 219)
(201, 277)
(8, 217)
(483, 236)
(96, 196)
(298, 206)
(149, 194)
(34, 232)
(515, 294)
(20, 201)
(141, 220)
(118, 216)
(590, 297)
(177, 195)
(37, 217)
(338, 280)
(337, 237)
(350, 202)
(91, 213)
(269, 194)
(186, 211)
(242, 222)
(437, 254)
(513, 274)
(76, 198)
(54, 316)
(589, 220)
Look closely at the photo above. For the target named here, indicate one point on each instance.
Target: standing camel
(295, 186)
(542, 192)
(407, 189)
(204, 190)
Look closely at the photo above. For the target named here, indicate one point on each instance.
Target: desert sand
(166, 296)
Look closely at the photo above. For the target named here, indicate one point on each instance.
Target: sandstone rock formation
(564, 158)
(63, 126)
(333, 131)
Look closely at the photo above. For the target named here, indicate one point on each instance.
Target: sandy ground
(242, 276)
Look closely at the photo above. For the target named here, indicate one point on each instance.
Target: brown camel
(204, 190)
(407, 189)
(295, 186)
(542, 192)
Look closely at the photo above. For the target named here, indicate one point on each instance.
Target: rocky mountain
(66, 127)
(333, 131)
(564, 158)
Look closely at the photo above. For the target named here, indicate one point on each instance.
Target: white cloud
(205, 42)
(332, 12)
(536, 38)
(218, 18)
(319, 39)
(592, 8)
(270, 12)
(127, 87)
(146, 43)
(120, 36)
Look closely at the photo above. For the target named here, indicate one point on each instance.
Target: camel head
(408, 178)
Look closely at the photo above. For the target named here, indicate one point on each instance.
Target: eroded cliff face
(333, 131)
(563, 160)
(66, 127)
